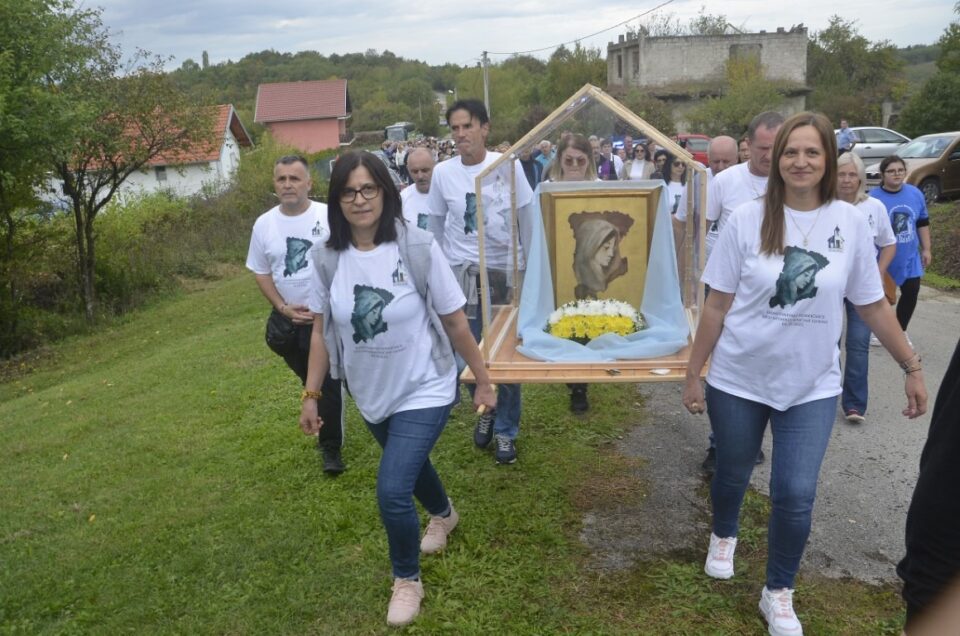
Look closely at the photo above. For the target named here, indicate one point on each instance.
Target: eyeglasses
(367, 191)
(677, 164)
(895, 171)
(575, 161)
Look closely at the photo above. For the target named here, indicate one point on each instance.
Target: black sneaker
(761, 457)
(483, 431)
(709, 464)
(332, 462)
(578, 399)
(506, 451)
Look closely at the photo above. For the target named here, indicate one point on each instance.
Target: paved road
(865, 485)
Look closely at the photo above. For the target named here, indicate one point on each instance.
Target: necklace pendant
(804, 242)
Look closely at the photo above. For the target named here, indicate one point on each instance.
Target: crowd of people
(379, 292)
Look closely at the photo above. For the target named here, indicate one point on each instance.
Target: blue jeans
(856, 366)
(800, 438)
(405, 472)
(507, 420)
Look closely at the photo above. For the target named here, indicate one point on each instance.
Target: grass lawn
(153, 480)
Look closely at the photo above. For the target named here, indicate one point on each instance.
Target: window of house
(636, 63)
(161, 172)
(619, 66)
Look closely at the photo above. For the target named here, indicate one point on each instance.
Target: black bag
(281, 334)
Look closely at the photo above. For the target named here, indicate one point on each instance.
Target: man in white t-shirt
(733, 187)
(416, 197)
(454, 221)
(744, 181)
(279, 257)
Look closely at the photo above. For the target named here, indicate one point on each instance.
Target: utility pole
(486, 82)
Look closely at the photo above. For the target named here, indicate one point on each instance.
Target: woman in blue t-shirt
(911, 225)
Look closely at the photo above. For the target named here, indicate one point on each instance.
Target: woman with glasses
(675, 176)
(640, 167)
(574, 160)
(911, 226)
(575, 163)
(387, 310)
(851, 178)
(774, 355)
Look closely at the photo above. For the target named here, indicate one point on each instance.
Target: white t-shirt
(675, 191)
(779, 340)
(416, 206)
(879, 221)
(280, 245)
(681, 214)
(725, 193)
(382, 322)
(452, 195)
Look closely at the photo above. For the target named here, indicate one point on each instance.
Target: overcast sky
(457, 32)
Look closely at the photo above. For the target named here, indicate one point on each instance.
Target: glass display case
(636, 239)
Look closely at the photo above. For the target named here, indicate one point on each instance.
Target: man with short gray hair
(416, 197)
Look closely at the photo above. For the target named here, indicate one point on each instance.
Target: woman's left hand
(916, 392)
(485, 396)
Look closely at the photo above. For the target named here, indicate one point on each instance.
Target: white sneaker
(719, 563)
(435, 538)
(405, 602)
(874, 341)
(777, 608)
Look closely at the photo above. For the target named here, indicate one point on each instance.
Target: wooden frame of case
(500, 340)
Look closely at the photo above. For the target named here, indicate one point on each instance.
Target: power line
(545, 48)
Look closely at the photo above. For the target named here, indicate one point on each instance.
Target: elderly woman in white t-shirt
(387, 309)
(851, 179)
(778, 275)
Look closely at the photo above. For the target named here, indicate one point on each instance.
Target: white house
(211, 167)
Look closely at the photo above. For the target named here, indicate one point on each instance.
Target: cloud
(439, 32)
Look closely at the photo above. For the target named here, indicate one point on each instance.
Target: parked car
(875, 143)
(695, 144)
(933, 165)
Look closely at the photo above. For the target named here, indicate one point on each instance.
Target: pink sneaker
(719, 563)
(435, 538)
(405, 602)
(777, 608)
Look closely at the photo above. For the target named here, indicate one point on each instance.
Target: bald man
(721, 154)
(415, 197)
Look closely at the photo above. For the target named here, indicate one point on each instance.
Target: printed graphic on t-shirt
(367, 317)
(901, 225)
(676, 203)
(797, 279)
(836, 241)
(470, 214)
(317, 229)
(399, 274)
(296, 257)
(422, 220)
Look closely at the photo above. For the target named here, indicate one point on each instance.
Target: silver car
(875, 143)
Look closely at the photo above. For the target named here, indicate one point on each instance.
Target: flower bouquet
(584, 320)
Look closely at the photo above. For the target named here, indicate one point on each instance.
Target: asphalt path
(865, 485)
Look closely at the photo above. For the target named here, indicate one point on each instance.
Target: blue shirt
(905, 207)
(845, 139)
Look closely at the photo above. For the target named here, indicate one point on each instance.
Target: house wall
(191, 181)
(308, 136)
(659, 61)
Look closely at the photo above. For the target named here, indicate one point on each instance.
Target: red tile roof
(289, 101)
(225, 119)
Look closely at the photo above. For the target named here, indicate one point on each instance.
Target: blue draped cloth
(667, 330)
